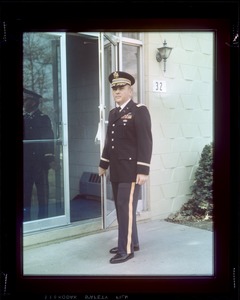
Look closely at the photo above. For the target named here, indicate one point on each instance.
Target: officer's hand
(53, 165)
(141, 179)
(101, 171)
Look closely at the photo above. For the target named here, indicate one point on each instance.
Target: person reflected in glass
(38, 154)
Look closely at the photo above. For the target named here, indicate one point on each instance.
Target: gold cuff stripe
(104, 159)
(143, 164)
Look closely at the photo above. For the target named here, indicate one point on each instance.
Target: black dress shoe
(115, 249)
(120, 258)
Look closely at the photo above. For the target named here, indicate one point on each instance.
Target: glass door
(45, 138)
(109, 62)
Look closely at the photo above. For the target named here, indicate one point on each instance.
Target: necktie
(117, 110)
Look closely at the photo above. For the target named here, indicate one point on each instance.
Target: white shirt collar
(123, 105)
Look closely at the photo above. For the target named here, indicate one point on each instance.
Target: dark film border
(220, 16)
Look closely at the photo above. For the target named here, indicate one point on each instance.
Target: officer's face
(29, 105)
(122, 94)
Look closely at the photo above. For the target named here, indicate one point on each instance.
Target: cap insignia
(115, 75)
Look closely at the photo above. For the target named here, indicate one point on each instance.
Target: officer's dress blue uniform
(127, 150)
(38, 153)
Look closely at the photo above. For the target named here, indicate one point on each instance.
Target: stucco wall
(182, 117)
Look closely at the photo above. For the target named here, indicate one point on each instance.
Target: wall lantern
(163, 54)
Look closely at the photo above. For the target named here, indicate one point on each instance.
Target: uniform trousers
(126, 199)
(35, 173)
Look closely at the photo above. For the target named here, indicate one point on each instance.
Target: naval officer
(127, 152)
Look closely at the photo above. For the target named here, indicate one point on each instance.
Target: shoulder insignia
(140, 105)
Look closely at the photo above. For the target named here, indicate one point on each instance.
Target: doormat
(82, 208)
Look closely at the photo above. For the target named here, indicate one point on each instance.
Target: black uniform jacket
(38, 139)
(128, 144)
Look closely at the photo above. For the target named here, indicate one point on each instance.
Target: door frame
(61, 220)
(104, 107)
